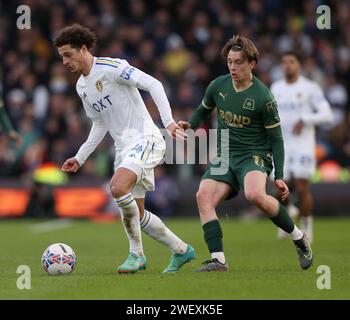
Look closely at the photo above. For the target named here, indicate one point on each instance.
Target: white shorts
(299, 164)
(141, 157)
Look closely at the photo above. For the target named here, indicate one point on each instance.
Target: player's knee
(118, 190)
(256, 197)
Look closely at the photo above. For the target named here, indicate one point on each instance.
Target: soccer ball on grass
(58, 258)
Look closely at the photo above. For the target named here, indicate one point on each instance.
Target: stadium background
(179, 43)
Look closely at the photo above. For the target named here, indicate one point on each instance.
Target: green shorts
(234, 173)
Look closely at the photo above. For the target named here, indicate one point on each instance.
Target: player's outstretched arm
(134, 77)
(199, 116)
(97, 133)
(148, 83)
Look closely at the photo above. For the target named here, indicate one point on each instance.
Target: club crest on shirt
(249, 104)
(99, 85)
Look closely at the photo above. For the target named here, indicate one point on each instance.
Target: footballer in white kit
(111, 99)
(301, 106)
(108, 88)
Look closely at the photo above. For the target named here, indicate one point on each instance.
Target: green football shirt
(250, 115)
(247, 113)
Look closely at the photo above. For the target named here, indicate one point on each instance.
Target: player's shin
(131, 221)
(284, 221)
(213, 238)
(156, 229)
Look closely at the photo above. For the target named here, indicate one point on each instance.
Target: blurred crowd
(179, 43)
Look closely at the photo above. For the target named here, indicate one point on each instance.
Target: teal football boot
(177, 260)
(132, 264)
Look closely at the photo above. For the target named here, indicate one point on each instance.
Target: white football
(58, 258)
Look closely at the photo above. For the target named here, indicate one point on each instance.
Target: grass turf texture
(261, 267)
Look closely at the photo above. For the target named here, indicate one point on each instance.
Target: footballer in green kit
(250, 143)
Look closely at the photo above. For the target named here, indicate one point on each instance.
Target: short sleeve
(271, 117)
(208, 101)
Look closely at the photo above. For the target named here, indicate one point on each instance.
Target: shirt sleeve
(131, 76)
(274, 135)
(270, 114)
(97, 133)
(155, 88)
(202, 113)
(271, 122)
(208, 101)
(322, 110)
(126, 74)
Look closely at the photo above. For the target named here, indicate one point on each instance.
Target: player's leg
(255, 192)
(302, 187)
(121, 186)
(154, 227)
(289, 203)
(209, 195)
(293, 211)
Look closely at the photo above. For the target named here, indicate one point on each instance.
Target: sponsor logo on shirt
(223, 96)
(127, 73)
(234, 120)
(101, 104)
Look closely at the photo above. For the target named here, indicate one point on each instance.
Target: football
(58, 259)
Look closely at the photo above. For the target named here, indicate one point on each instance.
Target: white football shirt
(112, 100)
(301, 100)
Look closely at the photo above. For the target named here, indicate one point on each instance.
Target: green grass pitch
(261, 267)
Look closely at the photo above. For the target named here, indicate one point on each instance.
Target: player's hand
(298, 127)
(283, 188)
(71, 165)
(177, 132)
(13, 135)
(184, 124)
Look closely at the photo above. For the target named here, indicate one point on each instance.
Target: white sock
(296, 234)
(293, 211)
(131, 221)
(218, 255)
(156, 229)
(306, 224)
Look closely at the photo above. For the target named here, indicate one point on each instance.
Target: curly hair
(75, 35)
(240, 43)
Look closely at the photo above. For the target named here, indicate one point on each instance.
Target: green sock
(283, 220)
(213, 236)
